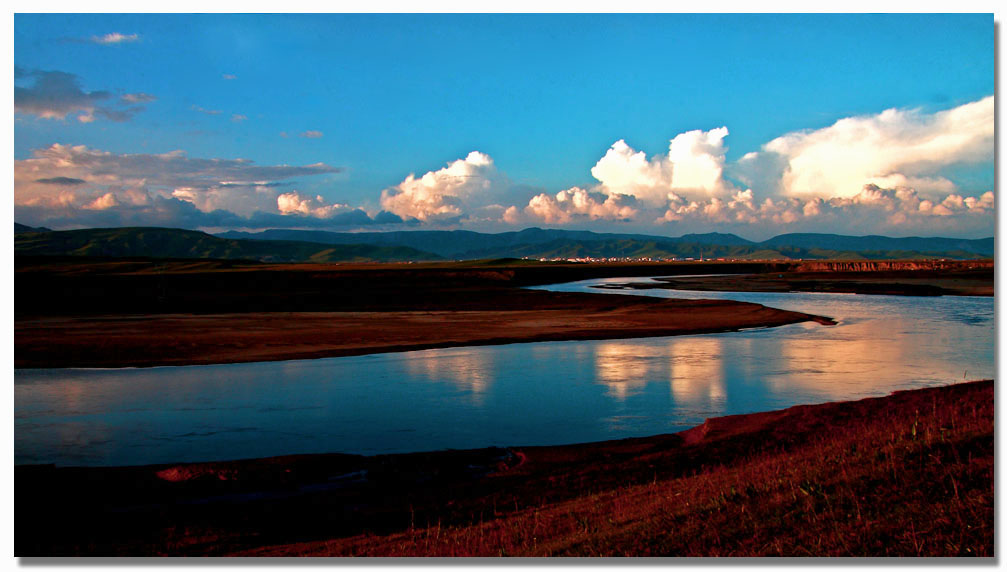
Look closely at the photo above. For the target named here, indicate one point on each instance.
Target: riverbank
(188, 339)
(910, 474)
(79, 312)
(955, 281)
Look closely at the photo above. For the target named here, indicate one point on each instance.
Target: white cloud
(106, 201)
(294, 203)
(115, 38)
(872, 210)
(624, 170)
(311, 134)
(895, 148)
(576, 203)
(697, 158)
(895, 159)
(446, 194)
(694, 165)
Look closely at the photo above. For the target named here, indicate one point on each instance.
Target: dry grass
(911, 482)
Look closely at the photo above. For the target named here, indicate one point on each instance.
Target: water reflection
(469, 372)
(518, 394)
(697, 371)
(624, 369)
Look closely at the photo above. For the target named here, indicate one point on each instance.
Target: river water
(544, 393)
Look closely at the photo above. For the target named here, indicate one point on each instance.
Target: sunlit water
(518, 394)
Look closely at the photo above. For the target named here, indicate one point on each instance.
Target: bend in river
(518, 394)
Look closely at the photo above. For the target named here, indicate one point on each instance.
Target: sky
(659, 123)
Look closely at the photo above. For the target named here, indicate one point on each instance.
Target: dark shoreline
(888, 283)
(389, 504)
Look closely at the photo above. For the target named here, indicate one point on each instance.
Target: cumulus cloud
(630, 184)
(106, 201)
(872, 210)
(447, 194)
(697, 158)
(294, 203)
(115, 38)
(238, 118)
(694, 165)
(895, 148)
(578, 204)
(61, 179)
(894, 161)
(880, 173)
(626, 171)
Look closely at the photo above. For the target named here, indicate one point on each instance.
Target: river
(544, 393)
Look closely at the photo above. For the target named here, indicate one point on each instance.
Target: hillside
(555, 243)
(178, 243)
(280, 245)
(983, 247)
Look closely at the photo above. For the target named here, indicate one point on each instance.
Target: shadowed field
(185, 339)
(964, 279)
(904, 475)
(115, 312)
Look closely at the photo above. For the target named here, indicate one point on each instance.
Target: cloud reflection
(697, 377)
(468, 369)
(625, 368)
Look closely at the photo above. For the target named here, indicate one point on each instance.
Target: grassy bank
(904, 475)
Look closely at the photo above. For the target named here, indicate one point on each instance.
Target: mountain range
(178, 243)
(555, 243)
(281, 245)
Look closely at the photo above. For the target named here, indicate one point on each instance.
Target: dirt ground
(181, 339)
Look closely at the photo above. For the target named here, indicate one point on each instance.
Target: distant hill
(982, 246)
(19, 228)
(460, 244)
(322, 246)
(178, 243)
(554, 243)
(717, 238)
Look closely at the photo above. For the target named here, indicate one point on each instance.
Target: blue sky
(543, 98)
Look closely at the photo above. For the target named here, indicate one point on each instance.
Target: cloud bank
(880, 174)
(896, 148)
(66, 185)
(867, 174)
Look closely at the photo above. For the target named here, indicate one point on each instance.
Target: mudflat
(181, 339)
